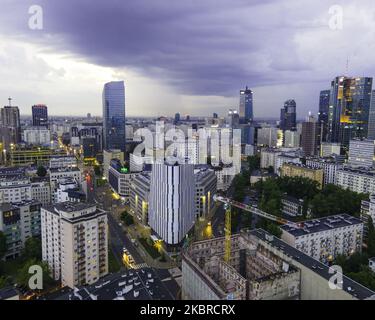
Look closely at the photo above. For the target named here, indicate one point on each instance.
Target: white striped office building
(172, 200)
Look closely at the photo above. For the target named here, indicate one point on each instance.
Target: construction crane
(228, 203)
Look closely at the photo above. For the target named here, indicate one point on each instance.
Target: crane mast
(228, 203)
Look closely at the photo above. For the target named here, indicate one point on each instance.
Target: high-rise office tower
(233, 118)
(310, 136)
(40, 115)
(177, 118)
(172, 200)
(246, 106)
(349, 108)
(371, 120)
(323, 112)
(114, 115)
(10, 127)
(288, 116)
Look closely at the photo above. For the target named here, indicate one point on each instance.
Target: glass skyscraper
(246, 106)
(349, 108)
(288, 116)
(114, 115)
(323, 112)
(40, 115)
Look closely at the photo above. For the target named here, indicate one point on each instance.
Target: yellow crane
(228, 203)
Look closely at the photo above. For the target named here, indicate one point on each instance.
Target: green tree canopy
(41, 171)
(3, 245)
(32, 249)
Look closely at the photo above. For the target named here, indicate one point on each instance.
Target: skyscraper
(10, 127)
(114, 115)
(172, 200)
(371, 120)
(246, 106)
(288, 116)
(177, 118)
(310, 136)
(349, 108)
(40, 115)
(323, 112)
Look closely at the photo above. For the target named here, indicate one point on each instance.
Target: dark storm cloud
(282, 48)
(201, 47)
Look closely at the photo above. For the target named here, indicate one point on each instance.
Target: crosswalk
(141, 265)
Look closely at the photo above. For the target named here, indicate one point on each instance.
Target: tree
(3, 245)
(253, 162)
(127, 218)
(32, 249)
(97, 170)
(370, 238)
(41, 171)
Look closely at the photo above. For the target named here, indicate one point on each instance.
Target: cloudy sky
(188, 56)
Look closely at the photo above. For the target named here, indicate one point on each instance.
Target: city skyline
(182, 70)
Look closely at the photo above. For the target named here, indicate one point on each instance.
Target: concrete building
(291, 206)
(292, 139)
(286, 158)
(268, 136)
(261, 267)
(327, 149)
(15, 187)
(357, 180)
(172, 200)
(38, 136)
(330, 166)
(361, 153)
(67, 190)
(31, 156)
(19, 222)
(65, 161)
(310, 136)
(55, 174)
(41, 190)
(75, 242)
(224, 178)
(205, 189)
(139, 196)
(326, 238)
(299, 170)
(108, 155)
(10, 126)
(119, 178)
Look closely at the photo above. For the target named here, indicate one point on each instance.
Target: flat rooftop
(354, 288)
(323, 224)
(140, 284)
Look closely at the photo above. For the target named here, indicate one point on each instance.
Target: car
(125, 251)
(120, 224)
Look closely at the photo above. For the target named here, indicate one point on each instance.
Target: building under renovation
(260, 267)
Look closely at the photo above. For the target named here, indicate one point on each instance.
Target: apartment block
(299, 170)
(75, 242)
(18, 222)
(326, 238)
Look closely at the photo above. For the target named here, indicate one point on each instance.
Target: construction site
(259, 266)
(251, 273)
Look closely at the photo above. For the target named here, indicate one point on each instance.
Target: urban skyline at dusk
(191, 59)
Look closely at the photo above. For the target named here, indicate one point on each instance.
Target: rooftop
(141, 284)
(354, 288)
(322, 224)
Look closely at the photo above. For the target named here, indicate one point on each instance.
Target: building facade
(75, 242)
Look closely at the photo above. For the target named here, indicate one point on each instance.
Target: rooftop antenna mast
(347, 66)
(10, 101)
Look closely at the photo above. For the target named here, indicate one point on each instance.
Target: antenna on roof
(347, 66)
(10, 101)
